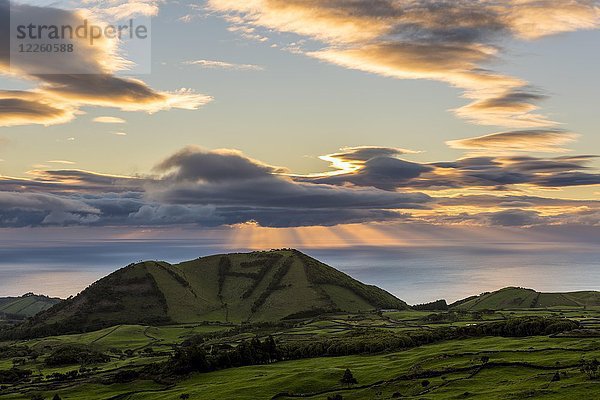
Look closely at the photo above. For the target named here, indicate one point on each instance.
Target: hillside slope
(26, 306)
(520, 298)
(252, 287)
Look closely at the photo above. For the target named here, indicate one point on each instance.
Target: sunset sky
(320, 124)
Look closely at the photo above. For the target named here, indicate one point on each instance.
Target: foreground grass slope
(514, 368)
(252, 287)
(520, 298)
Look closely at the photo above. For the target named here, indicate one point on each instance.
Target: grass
(283, 283)
(517, 367)
(519, 298)
(26, 306)
(322, 375)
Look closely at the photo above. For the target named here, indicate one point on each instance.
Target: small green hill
(25, 306)
(520, 298)
(242, 287)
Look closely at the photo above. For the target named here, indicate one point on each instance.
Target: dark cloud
(195, 164)
(67, 181)
(224, 187)
(17, 107)
(515, 217)
(31, 209)
(392, 173)
(380, 172)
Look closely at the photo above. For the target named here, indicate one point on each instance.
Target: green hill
(25, 306)
(520, 298)
(252, 287)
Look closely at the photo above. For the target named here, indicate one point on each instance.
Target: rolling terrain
(252, 287)
(520, 298)
(27, 305)
(282, 325)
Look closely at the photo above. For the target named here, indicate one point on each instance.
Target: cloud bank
(208, 188)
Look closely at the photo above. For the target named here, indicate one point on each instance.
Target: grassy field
(519, 298)
(27, 305)
(515, 367)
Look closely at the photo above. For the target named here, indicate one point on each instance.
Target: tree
(56, 397)
(485, 359)
(271, 349)
(425, 383)
(590, 368)
(184, 396)
(556, 377)
(348, 378)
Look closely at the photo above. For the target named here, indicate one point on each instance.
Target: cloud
(383, 168)
(196, 164)
(243, 189)
(24, 108)
(350, 159)
(58, 97)
(109, 120)
(128, 8)
(200, 187)
(541, 140)
(65, 162)
(452, 42)
(504, 171)
(515, 217)
(29, 209)
(377, 167)
(69, 181)
(212, 64)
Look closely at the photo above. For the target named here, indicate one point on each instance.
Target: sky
(332, 126)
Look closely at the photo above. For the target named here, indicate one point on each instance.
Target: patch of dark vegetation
(535, 301)
(14, 375)
(267, 264)
(178, 278)
(224, 267)
(196, 359)
(125, 376)
(439, 305)
(312, 313)
(274, 285)
(15, 351)
(70, 354)
(591, 368)
(441, 318)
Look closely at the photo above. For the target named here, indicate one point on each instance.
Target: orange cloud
(445, 41)
(547, 141)
(58, 96)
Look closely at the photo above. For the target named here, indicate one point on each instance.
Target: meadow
(545, 366)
